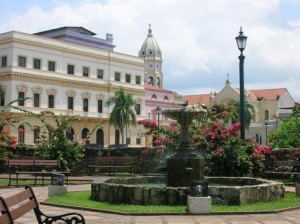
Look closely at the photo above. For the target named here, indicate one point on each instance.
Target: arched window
(166, 98)
(100, 137)
(85, 134)
(158, 82)
(70, 134)
(36, 134)
(257, 138)
(150, 80)
(117, 137)
(153, 97)
(21, 134)
(266, 115)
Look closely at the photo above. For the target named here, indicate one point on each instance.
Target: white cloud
(195, 36)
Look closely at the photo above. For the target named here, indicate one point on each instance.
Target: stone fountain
(185, 165)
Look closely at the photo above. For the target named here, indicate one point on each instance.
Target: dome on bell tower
(151, 53)
(150, 46)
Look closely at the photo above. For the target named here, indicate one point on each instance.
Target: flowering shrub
(7, 142)
(58, 146)
(165, 137)
(226, 154)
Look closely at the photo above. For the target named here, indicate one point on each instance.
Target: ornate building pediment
(71, 93)
(22, 88)
(100, 96)
(52, 91)
(37, 89)
(86, 95)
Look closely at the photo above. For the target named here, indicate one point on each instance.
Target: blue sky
(197, 37)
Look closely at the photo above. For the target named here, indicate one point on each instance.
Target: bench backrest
(17, 205)
(105, 161)
(46, 162)
(20, 162)
(125, 160)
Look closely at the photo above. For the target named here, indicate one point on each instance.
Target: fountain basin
(152, 190)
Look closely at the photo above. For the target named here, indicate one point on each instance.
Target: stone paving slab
(288, 217)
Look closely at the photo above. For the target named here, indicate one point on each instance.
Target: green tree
(287, 135)
(235, 114)
(123, 113)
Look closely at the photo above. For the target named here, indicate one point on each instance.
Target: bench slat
(18, 198)
(23, 209)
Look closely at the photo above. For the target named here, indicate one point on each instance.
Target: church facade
(270, 106)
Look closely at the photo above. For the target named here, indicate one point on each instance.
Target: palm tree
(122, 114)
(249, 110)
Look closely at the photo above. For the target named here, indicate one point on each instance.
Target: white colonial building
(71, 72)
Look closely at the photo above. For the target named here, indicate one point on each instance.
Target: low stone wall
(221, 189)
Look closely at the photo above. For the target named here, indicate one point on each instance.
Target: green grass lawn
(82, 199)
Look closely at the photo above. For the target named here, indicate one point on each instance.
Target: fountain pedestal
(184, 166)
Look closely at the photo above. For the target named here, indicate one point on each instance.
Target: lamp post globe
(241, 41)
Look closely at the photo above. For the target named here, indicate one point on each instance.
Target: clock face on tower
(150, 65)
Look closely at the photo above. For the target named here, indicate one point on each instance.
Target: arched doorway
(117, 137)
(100, 137)
(85, 135)
(70, 134)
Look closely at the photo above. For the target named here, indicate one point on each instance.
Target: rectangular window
(21, 97)
(50, 101)
(70, 103)
(85, 104)
(2, 99)
(100, 73)
(137, 79)
(36, 100)
(22, 61)
(128, 78)
(71, 69)
(4, 61)
(51, 66)
(100, 103)
(138, 109)
(85, 71)
(138, 141)
(36, 63)
(128, 141)
(117, 76)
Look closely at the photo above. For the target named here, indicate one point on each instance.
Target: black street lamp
(241, 41)
(266, 123)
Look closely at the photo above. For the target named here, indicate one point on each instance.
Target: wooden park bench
(113, 165)
(15, 206)
(279, 168)
(36, 167)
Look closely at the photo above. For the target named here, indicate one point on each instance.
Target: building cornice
(75, 84)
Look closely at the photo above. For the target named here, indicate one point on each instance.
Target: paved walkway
(289, 217)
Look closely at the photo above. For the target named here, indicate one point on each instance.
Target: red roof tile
(198, 99)
(269, 94)
(156, 89)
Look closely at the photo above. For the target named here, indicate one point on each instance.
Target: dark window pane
(70, 102)
(36, 100)
(36, 63)
(51, 66)
(21, 97)
(71, 69)
(100, 106)
(22, 61)
(51, 101)
(4, 61)
(85, 105)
